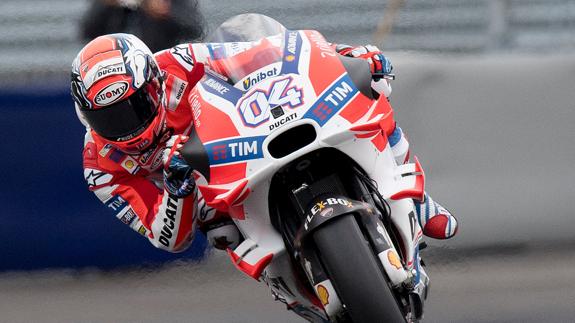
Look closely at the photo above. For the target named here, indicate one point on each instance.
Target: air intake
(292, 140)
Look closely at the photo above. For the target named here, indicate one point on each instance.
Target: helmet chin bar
(154, 134)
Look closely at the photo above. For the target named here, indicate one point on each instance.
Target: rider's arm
(168, 222)
(379, 65)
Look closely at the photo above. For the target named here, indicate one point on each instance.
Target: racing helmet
(118, 90)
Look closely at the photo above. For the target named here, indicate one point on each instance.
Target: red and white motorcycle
(291, 142)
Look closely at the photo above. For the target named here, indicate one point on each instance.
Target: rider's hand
(378, 63)
(178, 175)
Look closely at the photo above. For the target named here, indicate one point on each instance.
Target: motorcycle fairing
(241, 166)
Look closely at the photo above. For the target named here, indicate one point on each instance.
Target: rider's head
(118, 90)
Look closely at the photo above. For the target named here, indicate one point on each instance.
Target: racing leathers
(132, 185)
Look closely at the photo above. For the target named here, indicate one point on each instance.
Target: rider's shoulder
(99, 155)
(180, 57)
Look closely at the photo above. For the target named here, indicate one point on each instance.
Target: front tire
(355, 273)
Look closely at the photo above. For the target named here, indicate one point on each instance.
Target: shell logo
(323, 294)
(130, 164)
(393, 259)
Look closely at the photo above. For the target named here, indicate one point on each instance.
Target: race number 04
(254, 108)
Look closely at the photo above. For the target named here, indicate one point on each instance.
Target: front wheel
(355, 273)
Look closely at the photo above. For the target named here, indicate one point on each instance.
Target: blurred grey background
(485, 91)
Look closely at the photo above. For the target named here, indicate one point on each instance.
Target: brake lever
(378, 76)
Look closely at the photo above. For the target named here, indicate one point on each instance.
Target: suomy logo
(111, 93)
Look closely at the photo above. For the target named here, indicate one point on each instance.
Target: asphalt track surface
(496, 137)
(517, 284)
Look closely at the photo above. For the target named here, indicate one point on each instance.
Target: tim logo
(332, 100)
(255, 108)
(220, 152)
(234, 150)
(322, 111)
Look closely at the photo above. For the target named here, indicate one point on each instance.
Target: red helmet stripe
(97, 46)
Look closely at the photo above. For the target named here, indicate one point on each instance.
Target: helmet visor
(128, 118)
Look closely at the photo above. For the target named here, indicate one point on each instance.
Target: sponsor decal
(323, 294)
(142, 230)
(325, 211)
(116, 203)
(332, 100)
(128, 216)
(221, 88)
(255, 107)
(102, 65)
(141, 145)
(105, 150)
(293, 43)
(216, 86)
(331, 201)
(394, 259)
(96, 178)
(116, 155)
(145, 158)
(277, 111)
(319, 42)
(130, 164)
(183, 56)
(111, 93)
(217, 51)
(169, 222)
(196, 109)
(283, 121)
(177, 89)
(151, 159)
(157, 160)
(250, 81)
(234, 150)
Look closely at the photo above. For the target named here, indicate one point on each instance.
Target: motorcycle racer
(135, 107)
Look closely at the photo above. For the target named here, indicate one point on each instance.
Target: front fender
(326, 208)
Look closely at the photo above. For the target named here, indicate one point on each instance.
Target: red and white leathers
(132, 185)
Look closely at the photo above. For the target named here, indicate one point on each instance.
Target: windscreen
(244, 45)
